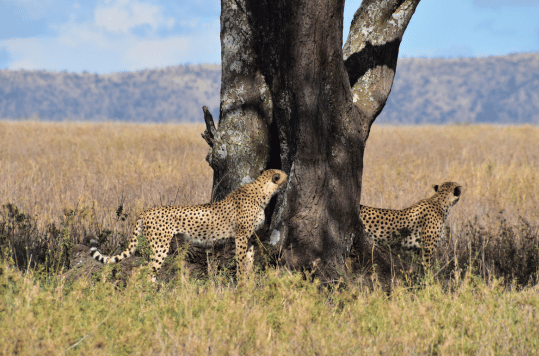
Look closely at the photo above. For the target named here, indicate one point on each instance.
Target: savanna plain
(62, 184)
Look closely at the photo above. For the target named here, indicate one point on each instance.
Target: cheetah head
(449, 192)
(272, 180)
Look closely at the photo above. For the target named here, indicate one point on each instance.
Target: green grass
(273, 313)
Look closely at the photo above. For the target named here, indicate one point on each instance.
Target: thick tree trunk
(292, 99)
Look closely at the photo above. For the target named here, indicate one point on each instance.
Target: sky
(107, 36)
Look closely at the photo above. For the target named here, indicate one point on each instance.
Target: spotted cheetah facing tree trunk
(416, 229)
(237, 216)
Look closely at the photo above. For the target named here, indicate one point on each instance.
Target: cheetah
(237, 216)
(416, 229)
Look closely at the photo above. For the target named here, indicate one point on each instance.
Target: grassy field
(272, 314)
(62, 183)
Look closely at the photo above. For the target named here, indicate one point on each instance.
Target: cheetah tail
(128, 252)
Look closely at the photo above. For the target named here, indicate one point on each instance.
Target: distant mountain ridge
(172, 94)
(502, 89)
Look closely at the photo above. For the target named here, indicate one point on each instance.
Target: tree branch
(371, 51)
(210, 132)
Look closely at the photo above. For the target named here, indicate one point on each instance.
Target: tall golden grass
(48, 169)
(498, 167)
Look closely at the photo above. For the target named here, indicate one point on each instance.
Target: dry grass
(494, 225)
(498, 167)
(55, 172)
(70, 178)
(74, 177)
(49, 167)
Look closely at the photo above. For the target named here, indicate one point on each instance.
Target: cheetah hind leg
(250, 257)
(155, 266)
(157, 259)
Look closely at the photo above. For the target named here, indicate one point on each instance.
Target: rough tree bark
(293, 98)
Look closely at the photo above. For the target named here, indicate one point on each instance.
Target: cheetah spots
(206, 224)
(416, 229)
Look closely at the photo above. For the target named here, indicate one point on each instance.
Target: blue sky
(107, 36)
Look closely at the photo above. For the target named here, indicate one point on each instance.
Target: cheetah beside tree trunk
(294, 97)
(237, 216)
(417, 229)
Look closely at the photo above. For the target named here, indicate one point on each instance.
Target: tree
(293, 98)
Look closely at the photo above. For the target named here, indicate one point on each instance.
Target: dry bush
(68, 180)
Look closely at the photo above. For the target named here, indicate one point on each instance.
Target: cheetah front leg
(244, 252)
(427, 252)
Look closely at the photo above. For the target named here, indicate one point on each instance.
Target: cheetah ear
(275, 177)
(457, 191)
(435, 187)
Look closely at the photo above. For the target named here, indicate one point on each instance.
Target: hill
(172, 94)
(503, 89)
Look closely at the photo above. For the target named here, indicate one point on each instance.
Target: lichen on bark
(241, 145)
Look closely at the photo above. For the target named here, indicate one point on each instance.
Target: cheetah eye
(276, 177)
(456, 192)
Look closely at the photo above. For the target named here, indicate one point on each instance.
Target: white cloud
(174, 50)
(105, 47)
(25, 52)
(85, 47)
(124, 15)
(75, 35)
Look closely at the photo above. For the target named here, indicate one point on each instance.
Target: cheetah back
(237, 216)
(416, 229)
